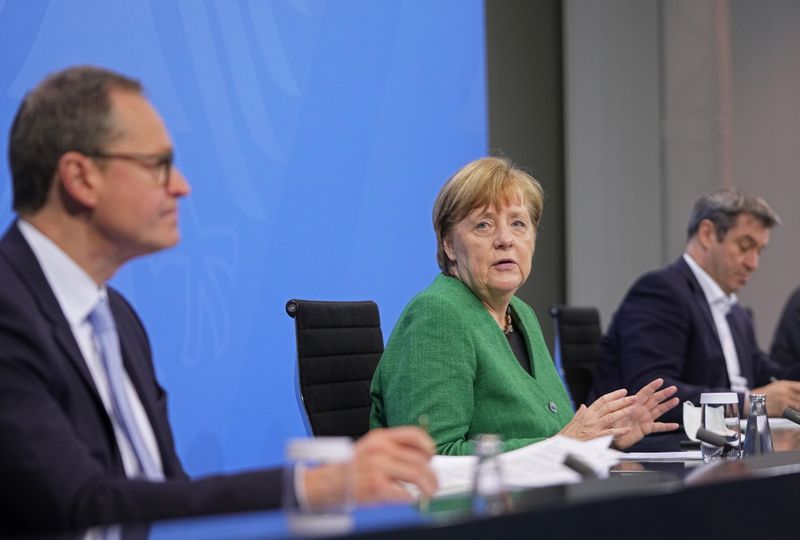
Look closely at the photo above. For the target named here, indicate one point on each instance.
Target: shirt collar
(714, 294)
(76, 292)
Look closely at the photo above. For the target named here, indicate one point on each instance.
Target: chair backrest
(577, 347)
(338, 348)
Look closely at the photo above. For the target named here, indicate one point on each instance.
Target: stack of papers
(535, 465)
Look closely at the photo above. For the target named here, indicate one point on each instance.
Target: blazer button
(552, 406)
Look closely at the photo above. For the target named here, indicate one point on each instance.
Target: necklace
(509, 325)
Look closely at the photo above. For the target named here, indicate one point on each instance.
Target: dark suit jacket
(664, 328)
(786, 343)
(59, 462)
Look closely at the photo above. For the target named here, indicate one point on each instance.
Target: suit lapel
(699, 298)
(21, 258)
(701, 302)
(738, 321)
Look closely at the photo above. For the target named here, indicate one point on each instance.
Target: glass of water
(720, 414)
(333, 516)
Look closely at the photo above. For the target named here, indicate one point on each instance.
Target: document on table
(535, 465)
(687, 455)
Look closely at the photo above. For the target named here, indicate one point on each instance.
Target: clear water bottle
(757, 436)
(489, 496)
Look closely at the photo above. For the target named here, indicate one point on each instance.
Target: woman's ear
(449, 251)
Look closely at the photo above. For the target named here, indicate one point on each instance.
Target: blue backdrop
(315, 136)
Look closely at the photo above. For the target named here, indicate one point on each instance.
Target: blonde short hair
(485, 182)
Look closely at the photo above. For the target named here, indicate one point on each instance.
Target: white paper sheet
(687, 455)
(535, 465)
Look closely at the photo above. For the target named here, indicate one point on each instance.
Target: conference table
(641, 499)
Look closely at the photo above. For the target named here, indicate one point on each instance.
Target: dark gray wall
(666, 100)
(524, 55)
(615, 193)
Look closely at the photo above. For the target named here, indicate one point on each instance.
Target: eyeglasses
(159, 164)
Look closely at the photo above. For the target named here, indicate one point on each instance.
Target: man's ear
(707, 233)
(77, 177)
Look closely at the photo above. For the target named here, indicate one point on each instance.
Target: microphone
(579, 466)
(714, 439)
(792, 414)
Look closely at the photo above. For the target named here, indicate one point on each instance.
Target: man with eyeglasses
(84, 434)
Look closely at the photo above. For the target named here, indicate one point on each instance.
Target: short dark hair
(723, 207)
(70, 110)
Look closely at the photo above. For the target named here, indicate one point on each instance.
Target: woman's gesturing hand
(650, 404)
(608, 415)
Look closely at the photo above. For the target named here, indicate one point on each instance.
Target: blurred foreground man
(683, 323)
(84, 434)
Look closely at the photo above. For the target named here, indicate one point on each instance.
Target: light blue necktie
(105, 333)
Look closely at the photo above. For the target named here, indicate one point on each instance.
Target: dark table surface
(641, 500)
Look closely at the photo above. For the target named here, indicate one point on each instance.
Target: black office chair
(577, 347)
(338, 348)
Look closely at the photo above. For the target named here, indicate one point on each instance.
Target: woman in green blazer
(469, 355)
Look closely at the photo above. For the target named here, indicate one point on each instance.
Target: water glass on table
(307, 454)
(720, 415)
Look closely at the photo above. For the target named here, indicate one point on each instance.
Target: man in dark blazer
(682, 323)
(786, 343)
(94, 186)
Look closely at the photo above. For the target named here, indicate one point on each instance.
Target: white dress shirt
(720, 305)
(77, 295)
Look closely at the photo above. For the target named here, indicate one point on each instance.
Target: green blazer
(448, 359)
